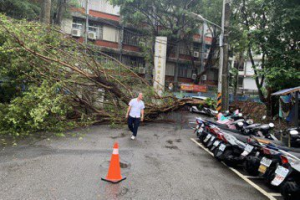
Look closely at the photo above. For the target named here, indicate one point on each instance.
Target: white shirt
(136, 108)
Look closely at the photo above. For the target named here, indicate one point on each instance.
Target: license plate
(216, 143)
(207, 137)
(262, 169)
(222, 147)
(266, 162)
(281, 174)
(247, 150)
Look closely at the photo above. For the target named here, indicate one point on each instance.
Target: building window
(240, 81)
(184, 49)
(241, 67)
(133, 61)
(130, 38)
(77, 25)
(182, 71)
(97, 28)
(110, 34)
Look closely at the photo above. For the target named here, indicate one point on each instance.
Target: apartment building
(246, 76)
(108, 34)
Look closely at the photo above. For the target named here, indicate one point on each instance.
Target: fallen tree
(81, 82)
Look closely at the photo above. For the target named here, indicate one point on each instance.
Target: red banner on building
(193, 88)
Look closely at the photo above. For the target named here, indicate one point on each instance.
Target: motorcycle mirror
(240, 124)
(264, 117)
(294, 132)
(250, 121)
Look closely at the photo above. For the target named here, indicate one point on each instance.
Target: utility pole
(86, 21)
(219, 97)
(225, 70)
(203, 46)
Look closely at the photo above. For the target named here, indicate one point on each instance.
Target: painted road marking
(275, 194)
(200, 145)
(265, 193)
(253, 177)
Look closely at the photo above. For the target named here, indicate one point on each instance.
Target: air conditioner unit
(196, 54)
(194, 76)
(142, 70)
(205, 55)
(76, 32)
(204, 77)
(92, 35)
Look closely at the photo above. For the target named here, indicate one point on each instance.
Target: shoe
(132, 137)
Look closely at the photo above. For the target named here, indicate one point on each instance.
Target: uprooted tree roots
(94, 83)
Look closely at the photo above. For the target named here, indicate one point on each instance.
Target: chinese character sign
(160, 64)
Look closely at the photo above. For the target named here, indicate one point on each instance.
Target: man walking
(134, 112)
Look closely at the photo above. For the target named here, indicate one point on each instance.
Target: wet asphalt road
(163, 163)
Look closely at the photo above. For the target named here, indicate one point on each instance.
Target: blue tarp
(286, 91)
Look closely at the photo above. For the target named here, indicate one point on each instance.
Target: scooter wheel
(215, 151)
(201, 138)
(290, 190)
(251, 165)
(268, 177)
(227, 158)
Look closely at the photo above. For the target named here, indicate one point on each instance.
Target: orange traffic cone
(114, 171)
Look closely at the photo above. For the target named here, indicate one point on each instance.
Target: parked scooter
(230, 150)
(204, 110)
(293, 136)
(287, 176)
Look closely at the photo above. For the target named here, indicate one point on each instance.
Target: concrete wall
(170, 69)
(102, 6)
(66, 25)
(249, 83)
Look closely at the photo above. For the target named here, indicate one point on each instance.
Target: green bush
(41, 108)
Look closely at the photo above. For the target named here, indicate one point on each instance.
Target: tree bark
(61, 8)
(46, 11)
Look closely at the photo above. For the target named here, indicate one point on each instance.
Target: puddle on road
(178, 118)
(171, 147)
(170, 141)
(118, 136)
(115, 191)
(123, 164)
(178, 140)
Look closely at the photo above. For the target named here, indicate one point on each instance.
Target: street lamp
(221, 60)
(200, 17)
(203, 19)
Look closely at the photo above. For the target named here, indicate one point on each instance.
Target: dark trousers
(133, 124)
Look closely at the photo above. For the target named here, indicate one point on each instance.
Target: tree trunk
(61, 8)
(46, 11)
(239, 64)
(210, 60)
(259, 86)
(176, 66)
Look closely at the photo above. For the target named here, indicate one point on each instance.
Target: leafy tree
(272, 31)
(64, 84)
(28, 9)
(35, 9)
(170, 18)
